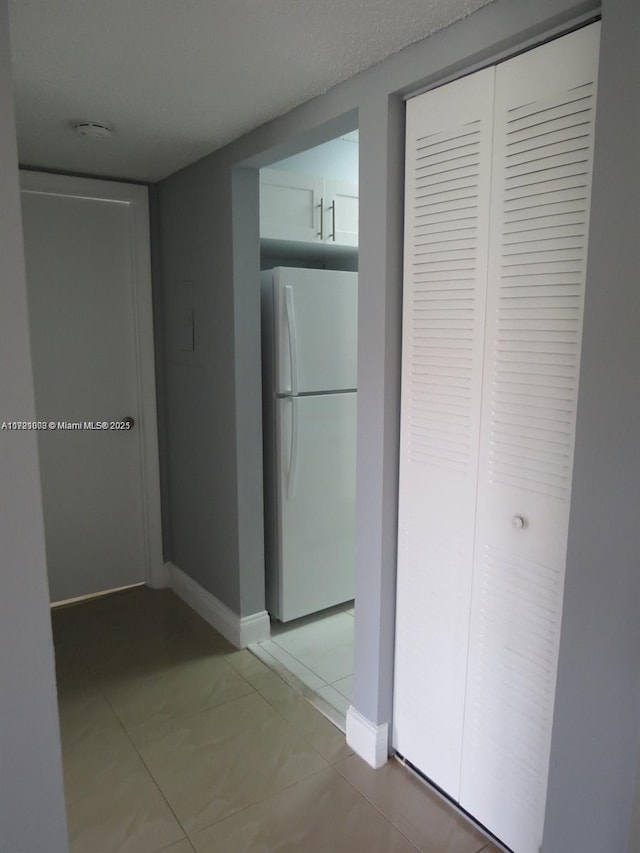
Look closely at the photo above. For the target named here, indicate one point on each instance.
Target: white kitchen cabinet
(498, 181)
(341, 212)
(306, 208)
(290, 205)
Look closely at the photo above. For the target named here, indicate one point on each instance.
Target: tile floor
(315, 656)
(173, 741)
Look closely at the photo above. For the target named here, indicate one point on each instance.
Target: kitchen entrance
(309, 291)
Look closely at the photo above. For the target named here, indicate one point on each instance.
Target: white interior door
(316, 502)
(541, 189)
(488, 423)
(84, 290)
(446, 231)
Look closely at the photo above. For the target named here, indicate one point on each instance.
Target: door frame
(136, 198)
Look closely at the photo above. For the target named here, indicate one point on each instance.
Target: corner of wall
(239, 630)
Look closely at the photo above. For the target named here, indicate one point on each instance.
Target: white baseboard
(239, 630)
(367, 740)
(255, 628)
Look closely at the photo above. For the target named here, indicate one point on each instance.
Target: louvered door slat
(446, 237)
(544, 112)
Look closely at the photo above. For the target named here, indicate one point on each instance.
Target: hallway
(174, 741)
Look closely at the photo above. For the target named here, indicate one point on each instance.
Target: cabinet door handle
(321, 232)
(333, 217)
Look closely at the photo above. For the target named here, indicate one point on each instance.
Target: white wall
(32, 815)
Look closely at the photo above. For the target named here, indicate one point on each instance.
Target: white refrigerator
(309, 336)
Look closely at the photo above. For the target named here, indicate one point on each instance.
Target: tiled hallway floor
(315, 655)
(173, 741)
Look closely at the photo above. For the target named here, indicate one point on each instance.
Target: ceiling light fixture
(92, 129)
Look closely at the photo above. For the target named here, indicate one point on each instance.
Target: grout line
(187, 715)
(148, 770)
(260, 800)
(325, 683)
(377, 808)
(157, 784)
(322, 705)
(326, 714)
(486, 846)
(315, 691)
(100, 691)
(281, 669)
(249, 805)
(97, 683)
(489, 844)
(302, 734)
(173, 844)
(145, 768)
(306, 665)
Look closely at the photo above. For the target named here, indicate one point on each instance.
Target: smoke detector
(92, 129)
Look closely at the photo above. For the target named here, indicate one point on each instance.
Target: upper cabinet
(340, 201)
(290, 205)
(307, 208)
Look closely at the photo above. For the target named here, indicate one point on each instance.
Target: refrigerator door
(316, 322)
(316, 503)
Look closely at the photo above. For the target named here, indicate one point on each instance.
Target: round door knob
(519, 522)
(129, 421)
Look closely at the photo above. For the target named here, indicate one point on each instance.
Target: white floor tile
(344, 686)
(309, 678)
(324, 646)
(334, 698)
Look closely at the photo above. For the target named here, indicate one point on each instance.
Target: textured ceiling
(178, 79)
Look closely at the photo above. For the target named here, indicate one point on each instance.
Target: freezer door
(316, 324)
(316, 503)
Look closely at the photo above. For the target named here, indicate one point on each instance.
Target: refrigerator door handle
(293, 452)
(293, 339)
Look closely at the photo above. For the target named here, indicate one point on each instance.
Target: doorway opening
(309, 286)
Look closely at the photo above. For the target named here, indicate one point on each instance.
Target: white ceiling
(177, 79)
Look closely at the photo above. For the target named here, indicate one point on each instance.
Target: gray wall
(32, 816)
(214, 401)
(158, 314)
(597, 714)
(634, 827)
(248, 389)
(200, 386)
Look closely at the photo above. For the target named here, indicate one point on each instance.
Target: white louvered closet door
(446, 236)
(541, 181)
